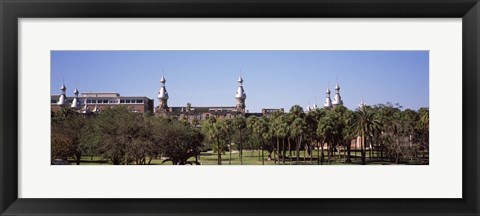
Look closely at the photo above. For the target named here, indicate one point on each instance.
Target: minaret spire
(163, 95)
(314, 107)
(362, 104)
(75, 102)
(337, 100)
(86, 109)
(328, 101)
(62, 101)
(240, 95)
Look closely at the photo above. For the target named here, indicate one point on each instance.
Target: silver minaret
(75, 102)
(328, 101)
(337, 99)
(163, 95)
(62, 101)
(240, 96)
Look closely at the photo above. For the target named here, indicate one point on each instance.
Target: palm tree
(289, 137)
(269, 137)
(273, 128)
(311, 120)
(215, 133)
(297, 129)
(279, 129)
(260, 128)
(365, 125)
(346, 133)
(251, 120)
(327, 130)
(296, 111)
(239, 123)
(227, 127)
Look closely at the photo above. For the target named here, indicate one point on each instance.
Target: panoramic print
(237, 107)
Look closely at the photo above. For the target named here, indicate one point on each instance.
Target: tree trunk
(297, 150)
(310, 149)
(339, 153)
(322, 156)
(78, 158)
(362, 146)
(349, 160)
(241, 148)
(355, 147)
(289, 151)
(278, 150)
(329, 152)
(219, 153)
(274, 151)
(230, 159)
(304, 154)
(318, 152)
(258, 151)
(371, 148)
(283, 151)
(196, 156)
(263, 159)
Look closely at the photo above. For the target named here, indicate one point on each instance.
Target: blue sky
(272, 79)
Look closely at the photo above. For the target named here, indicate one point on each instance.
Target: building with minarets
(99, 101)
(337, 100)
(197, 113)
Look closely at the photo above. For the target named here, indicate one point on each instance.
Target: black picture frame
(12, 10)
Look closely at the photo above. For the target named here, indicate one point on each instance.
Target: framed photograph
(225, 107)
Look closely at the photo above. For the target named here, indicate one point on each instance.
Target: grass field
(252, 158)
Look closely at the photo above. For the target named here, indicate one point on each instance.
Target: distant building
(337, 100)
(202, 113)
(96, 102)
(268, 112)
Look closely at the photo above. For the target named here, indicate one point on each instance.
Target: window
(89, 101)
(105, 101)
(139, 101)
(122, 101)
(127, 101)
(53, 101)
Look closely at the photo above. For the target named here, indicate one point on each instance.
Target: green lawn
(252, 158)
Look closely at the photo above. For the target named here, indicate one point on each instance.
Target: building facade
(194, 113)
(98, 101)
(95, 102)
